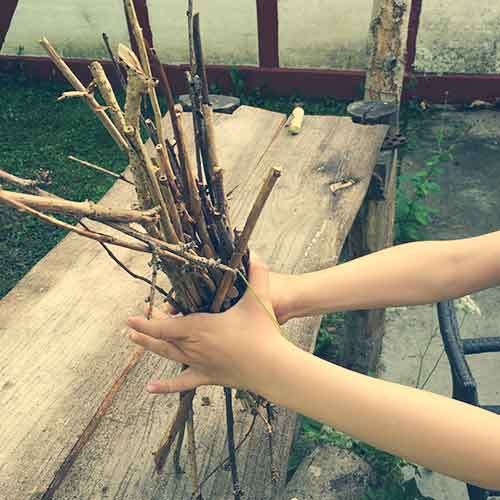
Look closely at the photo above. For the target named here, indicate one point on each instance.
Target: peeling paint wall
(74, 26)
(459, 36)
(321, 33)
(229, 30)
(455, 35)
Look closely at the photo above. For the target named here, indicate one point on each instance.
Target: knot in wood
(237, 491)
(92, 208)
(390, 62)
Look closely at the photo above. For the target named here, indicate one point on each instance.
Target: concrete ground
(317, 33)
(469, 206)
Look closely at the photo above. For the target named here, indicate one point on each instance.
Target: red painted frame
(7, 13)
(413, 25)
(341, 85)
(268, 30)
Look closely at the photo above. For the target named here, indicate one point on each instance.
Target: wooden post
(7, 11)
(413, 26)
(373, 229)
(267, 21)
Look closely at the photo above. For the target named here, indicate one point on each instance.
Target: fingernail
(173, 316)
(151, 387)
(131, 335)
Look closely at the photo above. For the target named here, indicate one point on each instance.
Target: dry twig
(88, 209)
(79, 87)
(100, 169)
(183, 205)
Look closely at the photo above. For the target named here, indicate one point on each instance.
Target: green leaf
(421, 173)
(433, 187)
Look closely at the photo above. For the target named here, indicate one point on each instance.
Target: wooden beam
(386, 66)
(374, 226)
(268, 29)
(7, 10)
(413, 26)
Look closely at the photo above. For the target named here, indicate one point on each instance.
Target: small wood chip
(295, 121)
(342, 184)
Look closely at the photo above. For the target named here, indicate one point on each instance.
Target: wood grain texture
(62, 333)
(64, 348)
(302, 228)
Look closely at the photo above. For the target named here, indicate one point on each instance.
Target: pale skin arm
(243, 348)
(411, 274)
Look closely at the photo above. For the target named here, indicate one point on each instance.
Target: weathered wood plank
(63, 347)
(303, 228)
(61, 351)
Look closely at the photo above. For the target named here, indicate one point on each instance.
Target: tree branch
(82, 209)
(79, 87)
(242, 242)
(100, 169)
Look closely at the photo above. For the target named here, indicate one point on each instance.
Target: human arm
(410, 274)
(243, 348)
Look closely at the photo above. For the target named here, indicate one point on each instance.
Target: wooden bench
(76, 420)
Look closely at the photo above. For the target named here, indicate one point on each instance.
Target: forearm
(442, 434)
(411, 274)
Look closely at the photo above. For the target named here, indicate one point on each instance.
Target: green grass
(39, 133)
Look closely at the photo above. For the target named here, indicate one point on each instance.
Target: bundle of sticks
(181, 217)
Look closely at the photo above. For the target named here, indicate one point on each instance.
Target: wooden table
(76, 421)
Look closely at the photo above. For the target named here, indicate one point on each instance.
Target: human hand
(234, 348)
(283, 289)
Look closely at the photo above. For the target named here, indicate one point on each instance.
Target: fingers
(155, 313)
(160, 347)
(169, 309)
(166, 329)
(186, 381)
(259, 276)
(259, 280)
(167, 312)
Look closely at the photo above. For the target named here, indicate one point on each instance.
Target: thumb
(258, 280)
(187, 380)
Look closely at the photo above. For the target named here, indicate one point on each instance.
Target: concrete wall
(324, 33)
(459, 36)
(74, 26)
(455, 35)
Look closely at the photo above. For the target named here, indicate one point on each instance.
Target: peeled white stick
(296, 121)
